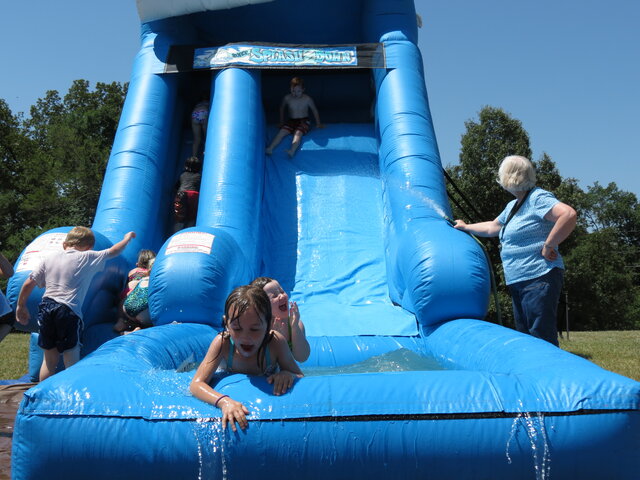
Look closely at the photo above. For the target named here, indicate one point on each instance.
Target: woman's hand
(233, 412)
(282, 381)
(460, 225)
(549, 252)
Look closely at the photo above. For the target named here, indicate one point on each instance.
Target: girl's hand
(294, 313)
(282, 381)
(233, 412)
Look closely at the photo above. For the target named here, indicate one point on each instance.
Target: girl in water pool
(246, 345)
(285, 318)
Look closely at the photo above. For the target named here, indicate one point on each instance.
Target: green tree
(54, 161)
(601, 289)
(603, 274)
(15, 151)
(485, 143)
(611, 208)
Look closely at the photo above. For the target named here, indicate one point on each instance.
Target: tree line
(52, 165)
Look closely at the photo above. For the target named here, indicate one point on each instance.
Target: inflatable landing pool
(354, 227)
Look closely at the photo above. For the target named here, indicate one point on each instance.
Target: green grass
(615, 351)
(14, 355)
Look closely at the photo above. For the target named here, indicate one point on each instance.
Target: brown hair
(240, 300)
(261, 281)
(295, 81)
(145, 257)
(80, 237)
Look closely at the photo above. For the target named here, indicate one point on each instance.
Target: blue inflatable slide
(354, 226)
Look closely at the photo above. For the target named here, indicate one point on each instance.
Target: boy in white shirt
(66, 278)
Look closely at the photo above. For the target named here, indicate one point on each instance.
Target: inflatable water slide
(354, 226)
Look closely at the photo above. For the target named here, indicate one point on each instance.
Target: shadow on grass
(584, 355)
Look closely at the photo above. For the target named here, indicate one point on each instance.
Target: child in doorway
(199, 121)
(246, 345)
(286, 318)
(66, 278)
(185, 205)
(136, 305)
(135, 275)
(297, 103)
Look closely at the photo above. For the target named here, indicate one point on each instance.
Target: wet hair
(192, 164)
(296, 81)
(80, 237)
(145, 258)
(242, 299)
(516, 174)
(261, 281)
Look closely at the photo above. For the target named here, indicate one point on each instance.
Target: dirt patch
(10, 398)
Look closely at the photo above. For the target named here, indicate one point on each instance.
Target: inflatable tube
(422, 245)
(220, 266)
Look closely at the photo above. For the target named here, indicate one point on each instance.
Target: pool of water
(401, 360)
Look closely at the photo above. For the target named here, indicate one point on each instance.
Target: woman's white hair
(516, 174)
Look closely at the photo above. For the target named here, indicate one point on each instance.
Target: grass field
(616, 351)
(14, 355)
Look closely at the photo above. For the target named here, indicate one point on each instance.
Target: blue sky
(569, 70)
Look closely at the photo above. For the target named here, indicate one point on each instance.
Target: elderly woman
(530, 229)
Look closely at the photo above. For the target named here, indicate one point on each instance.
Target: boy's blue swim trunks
(59, 327)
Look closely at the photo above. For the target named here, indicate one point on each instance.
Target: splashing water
(422, 200)
(537, 435)
(436, 208)
(211, 448)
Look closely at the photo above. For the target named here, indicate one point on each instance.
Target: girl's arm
(232, 411)
(289, 369)
(301, 348)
